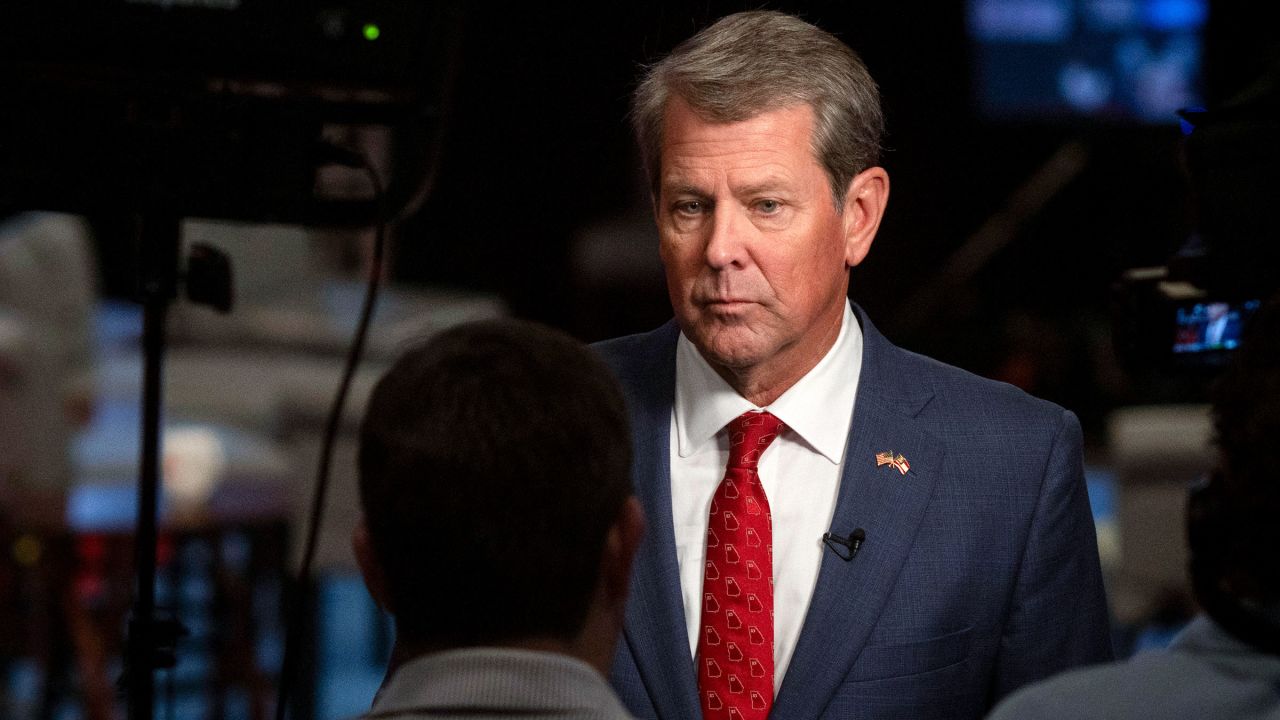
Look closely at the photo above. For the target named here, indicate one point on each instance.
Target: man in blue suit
(838, 528)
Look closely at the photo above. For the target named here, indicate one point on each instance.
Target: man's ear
(370, 569)
(864, 206)
(620, 550)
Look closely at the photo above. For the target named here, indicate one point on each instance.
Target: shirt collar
(496, 680)
(818, 407)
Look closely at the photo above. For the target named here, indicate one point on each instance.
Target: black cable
(295, 621)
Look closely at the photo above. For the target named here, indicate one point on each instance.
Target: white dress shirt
(800, 473)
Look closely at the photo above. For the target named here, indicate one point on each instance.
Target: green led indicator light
(372, 32)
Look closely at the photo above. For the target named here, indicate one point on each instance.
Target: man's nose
(726, 244)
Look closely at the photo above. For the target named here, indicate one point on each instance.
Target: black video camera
(1186, 317)
(208, 108)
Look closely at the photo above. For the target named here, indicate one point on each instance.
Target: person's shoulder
(1070, 695)
(956, 395)
(1112, 689)
(639, 353)
(1157, 683)
(967, 396)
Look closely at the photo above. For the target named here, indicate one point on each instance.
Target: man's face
(756, 254)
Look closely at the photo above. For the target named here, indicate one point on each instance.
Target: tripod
(151, 640)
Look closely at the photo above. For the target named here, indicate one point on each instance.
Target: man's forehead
(780, 139)
(771, 148)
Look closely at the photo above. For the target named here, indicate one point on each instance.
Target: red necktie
(735, 645)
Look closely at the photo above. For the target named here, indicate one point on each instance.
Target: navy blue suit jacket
(979, 572)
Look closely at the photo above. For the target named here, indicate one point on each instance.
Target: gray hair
(754, 62)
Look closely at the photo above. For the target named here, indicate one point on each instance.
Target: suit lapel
(887, 505)
(655, 625)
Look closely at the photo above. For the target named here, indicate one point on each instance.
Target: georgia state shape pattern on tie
(735, 644)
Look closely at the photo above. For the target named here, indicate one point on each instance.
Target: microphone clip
(845, 548)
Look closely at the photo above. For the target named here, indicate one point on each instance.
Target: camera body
(208, 108)
(1186, 316)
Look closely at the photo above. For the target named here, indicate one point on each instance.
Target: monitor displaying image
(1126, 61)
(1211, 326)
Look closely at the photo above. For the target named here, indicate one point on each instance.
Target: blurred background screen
(1110, 60)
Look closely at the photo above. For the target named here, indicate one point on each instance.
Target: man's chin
(729, 349)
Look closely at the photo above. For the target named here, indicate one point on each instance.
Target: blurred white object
(1157, 451)
(47, 292)
(292, 297)
(195, 462)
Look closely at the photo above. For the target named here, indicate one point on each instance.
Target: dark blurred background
(539, 163)
(1019, 193)
(1034, 154)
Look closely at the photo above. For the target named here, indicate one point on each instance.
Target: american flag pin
(894, 460)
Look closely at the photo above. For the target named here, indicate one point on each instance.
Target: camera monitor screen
(1210, 326)
(1123, 61)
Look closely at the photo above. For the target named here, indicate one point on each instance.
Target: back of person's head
(754, 62)
(494, 459)
(1234, 520)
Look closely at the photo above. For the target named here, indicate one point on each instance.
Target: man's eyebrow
(771, 184)
(765, 186)
(682, 188)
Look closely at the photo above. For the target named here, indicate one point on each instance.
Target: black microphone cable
(295, 622)
(852, 544)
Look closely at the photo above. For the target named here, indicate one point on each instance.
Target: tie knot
(750, 435)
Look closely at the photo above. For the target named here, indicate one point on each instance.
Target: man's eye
(691, 207)
(769, 207)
